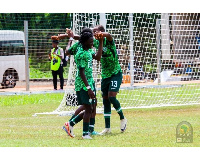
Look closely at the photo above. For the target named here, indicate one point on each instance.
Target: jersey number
(114, 83)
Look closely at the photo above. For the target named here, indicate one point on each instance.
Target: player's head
(86, 38)
(55, 43)
(98, 28)
(85, 29)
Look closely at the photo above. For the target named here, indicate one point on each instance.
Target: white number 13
(114, 83)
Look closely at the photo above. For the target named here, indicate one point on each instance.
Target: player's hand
(54, 37)
(91, 94)
(69, 33)
(98, 35)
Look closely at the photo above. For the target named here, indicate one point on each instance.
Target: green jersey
(83, 59)
(74, 48)
(109, 60)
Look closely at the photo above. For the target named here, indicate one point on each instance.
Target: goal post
(152, 48)
(131, 43)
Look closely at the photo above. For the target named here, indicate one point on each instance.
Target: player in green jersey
(111, 78)
(72, 50)
(84, 83)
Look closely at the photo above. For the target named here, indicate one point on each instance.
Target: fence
(175, 58)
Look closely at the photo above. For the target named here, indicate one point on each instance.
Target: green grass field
(154, 127)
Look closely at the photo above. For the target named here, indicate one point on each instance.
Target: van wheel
(9, 79)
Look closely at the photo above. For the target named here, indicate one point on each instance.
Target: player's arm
(69, 33)
(76, 37)
(62, 36)
(100, 48)
(105, 34)
(67, 48)
(108, 36)
(65, 35)
(84, 79)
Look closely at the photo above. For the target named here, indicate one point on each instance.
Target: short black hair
(101, 28)
(85, 35)
(86, 30)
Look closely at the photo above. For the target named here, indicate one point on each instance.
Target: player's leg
(86, 120)
(114, 86)
(106, 104)
(92, 121)
(68, 126)
(84, 99)
(92, 118)
(86, 123)
(75, 118)
(80, 109)
(116, 104)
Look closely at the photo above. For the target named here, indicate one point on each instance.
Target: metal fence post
(103, 20)
(26, 54)
(158, 50)
(131, 48)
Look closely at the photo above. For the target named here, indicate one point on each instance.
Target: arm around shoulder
(107, 35)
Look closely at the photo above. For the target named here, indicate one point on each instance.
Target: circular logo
(184, 132)
(184, 129)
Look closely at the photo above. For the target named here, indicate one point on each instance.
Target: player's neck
(86, 48)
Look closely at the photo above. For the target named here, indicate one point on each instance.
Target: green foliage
(35, 20)
(41, 27)
(36, 73)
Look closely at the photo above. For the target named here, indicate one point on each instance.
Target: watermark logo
(184, 132)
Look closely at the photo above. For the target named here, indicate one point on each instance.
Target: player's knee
(112, 99)
(88, 109)
(106, 101)
(93, 113)
(91, 109)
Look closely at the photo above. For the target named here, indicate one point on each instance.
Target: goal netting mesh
(159, 55)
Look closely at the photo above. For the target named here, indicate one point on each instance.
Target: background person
(56, 56)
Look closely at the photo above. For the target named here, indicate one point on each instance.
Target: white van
(12, 57)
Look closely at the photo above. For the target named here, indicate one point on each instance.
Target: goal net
(159, 55)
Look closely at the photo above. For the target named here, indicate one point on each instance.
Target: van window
(11, 47)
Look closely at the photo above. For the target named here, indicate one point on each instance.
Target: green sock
(85, 128)
(117, 106)
(75, 120)
(72, 117)
(91, 126)
(107, 112)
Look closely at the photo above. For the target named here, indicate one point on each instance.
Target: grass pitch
(154, 127)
